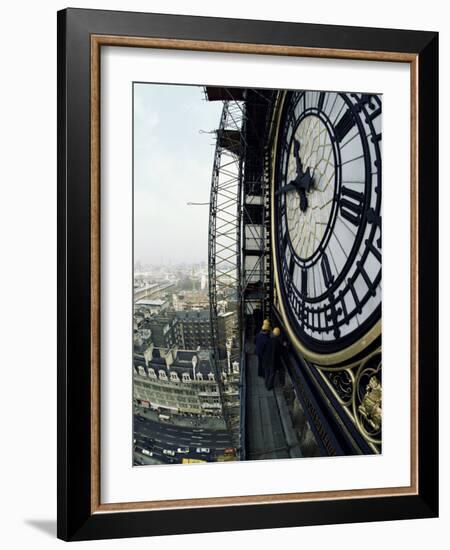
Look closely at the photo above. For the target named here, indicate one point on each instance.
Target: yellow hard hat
(266, 324)
(276, 331)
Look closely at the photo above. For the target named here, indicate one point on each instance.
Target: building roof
(193, 315)
(226, 314)
(147, 302)
(182, 363)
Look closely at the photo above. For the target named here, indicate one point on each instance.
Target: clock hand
(303, 184)
(298, 162)
(286, 188)
(304, 179)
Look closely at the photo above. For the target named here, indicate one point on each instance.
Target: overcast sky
(172, 166)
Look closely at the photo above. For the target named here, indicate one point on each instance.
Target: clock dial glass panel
(327, 201)
(306, 232)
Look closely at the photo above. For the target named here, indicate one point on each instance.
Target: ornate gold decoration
(357, 387)
(367, 398)
(370, 407)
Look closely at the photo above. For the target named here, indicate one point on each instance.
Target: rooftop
(147, 302)
(183, 362)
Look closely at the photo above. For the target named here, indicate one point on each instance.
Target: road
(156, 436)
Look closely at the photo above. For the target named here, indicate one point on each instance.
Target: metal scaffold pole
(224, 256)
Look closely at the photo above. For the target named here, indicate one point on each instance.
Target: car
(147, 452)
(202, 450)
(183, 450)
(168, 452)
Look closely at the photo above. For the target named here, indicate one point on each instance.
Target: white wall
(28, 274)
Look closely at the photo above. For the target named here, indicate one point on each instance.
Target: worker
(261, 340)
(272, 358)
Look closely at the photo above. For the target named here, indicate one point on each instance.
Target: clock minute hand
(298, 162)
(303, 179)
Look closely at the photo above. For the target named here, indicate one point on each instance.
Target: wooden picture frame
(81, 35)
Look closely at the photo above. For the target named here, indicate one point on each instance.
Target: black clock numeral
(318, 324)
(372, 102)
(333, 318)
(321, 100)
(351, 205)
(375, 113)
(291, 267)
(326, 271)
(373, 249)
(374, 218)
(304, 282)
(370, 284)
(297, 305)
(344, 308)
(345, 124)
(351, 287)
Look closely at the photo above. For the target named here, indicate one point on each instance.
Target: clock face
(327, 214)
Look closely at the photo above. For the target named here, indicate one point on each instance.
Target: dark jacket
(272, 354)
(261, 340)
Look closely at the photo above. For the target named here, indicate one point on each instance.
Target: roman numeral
(345, 124)
(355, 295)
(326, 271)
(373, 249)
(370, 285)
(344, 308)
(291, 267)
(321, 100)
(373, 217)
(318, 324)
(351, 205)
(304, 282)
(333, 318)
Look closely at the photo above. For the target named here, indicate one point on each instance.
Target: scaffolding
(224, 255)
(239, 271)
